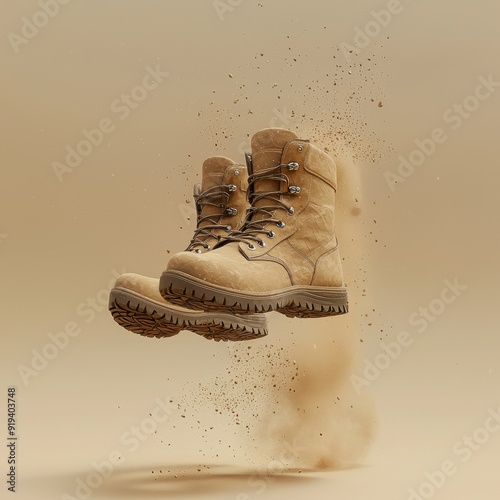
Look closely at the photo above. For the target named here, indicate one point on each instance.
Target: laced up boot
(135, 301)
(285, 257)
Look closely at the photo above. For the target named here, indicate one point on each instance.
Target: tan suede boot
(135, 301)
(285, 257)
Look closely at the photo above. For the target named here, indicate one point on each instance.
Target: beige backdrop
(107, 111)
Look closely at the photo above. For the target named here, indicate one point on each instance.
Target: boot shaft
(220, 200)
(299, 180)
(290, 176)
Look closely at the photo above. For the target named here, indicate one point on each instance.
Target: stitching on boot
(318, 260)
(271, 258)
(318, 175)
(296, 250)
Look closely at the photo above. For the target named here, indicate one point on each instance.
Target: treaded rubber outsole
(294, 302)
(140, 316)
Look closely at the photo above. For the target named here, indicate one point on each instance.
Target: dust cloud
(316, 415)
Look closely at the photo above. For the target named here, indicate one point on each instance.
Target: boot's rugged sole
(294, 301)
(143, 316)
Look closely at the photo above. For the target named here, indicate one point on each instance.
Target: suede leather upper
(305, 251)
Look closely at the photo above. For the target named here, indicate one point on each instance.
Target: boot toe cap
(141, 285)
(226, 267)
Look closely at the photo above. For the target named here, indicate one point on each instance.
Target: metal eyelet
(293, 165)
(229, 228)
(231, 211)
(208, 247)
(261, 244)
(291, 210)
(232, 187)
(294, 189)
(280, 224)
(197, 250)
(299, 148)
(250, 246)
(236, 172)
(271, 235)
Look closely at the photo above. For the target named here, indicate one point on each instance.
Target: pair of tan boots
(265, 241)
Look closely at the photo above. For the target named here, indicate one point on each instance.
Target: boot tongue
(213, 172)
(267, 148)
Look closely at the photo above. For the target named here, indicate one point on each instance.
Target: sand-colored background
(235, 67)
